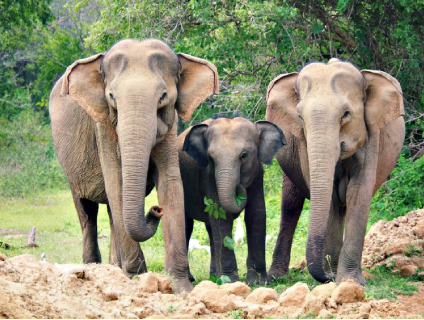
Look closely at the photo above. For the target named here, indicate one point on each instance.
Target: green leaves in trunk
(229, 243)
(213, 210)
(239, 198)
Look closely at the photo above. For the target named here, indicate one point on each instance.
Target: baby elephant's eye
(345, 114)
(163, 96)
(244, 155)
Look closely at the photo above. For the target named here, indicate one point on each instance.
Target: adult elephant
(221, 159)
(344, 131)
(114, 129)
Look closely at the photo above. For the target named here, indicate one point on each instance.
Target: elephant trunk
(137, 135)
(323, 153)
(228, 187)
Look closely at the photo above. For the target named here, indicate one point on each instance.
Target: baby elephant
(220, 163)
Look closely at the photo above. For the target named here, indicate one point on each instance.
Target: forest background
(249, 41)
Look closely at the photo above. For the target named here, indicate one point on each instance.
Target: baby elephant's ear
(196, 146)
(271, 139)
(84, 83)
(198, 80)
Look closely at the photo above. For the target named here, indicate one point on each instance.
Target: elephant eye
(244, 155)
(163, 96)
(300, 117)
(210, 158)
(345, 114)
(111, 96)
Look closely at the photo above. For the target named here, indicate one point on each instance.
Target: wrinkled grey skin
(114, 129)
(219, 159)
(344, 131)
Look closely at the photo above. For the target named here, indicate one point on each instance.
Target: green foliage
(403, 192)
(213, 210)
(411, 251)
(385, 285)
(236, 314)
(229, 243)
(239, 197)
(220, 280)
(171, 309)
(28, 161)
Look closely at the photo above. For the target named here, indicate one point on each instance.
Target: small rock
(325, 314)
(262, 295)
(164, 284)
(237, 288)
(407, 271)
(348, 291)
(144, 312)
(331, 303)
(419, 262)
(3, 257)
(148, 282)
(300, 265)
(109, 295)
(218, 300)
(202, 287)
(294, 296)
(324, 290)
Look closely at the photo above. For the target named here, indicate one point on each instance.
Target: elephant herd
(114, 124)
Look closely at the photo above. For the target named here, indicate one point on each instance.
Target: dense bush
(28, 162)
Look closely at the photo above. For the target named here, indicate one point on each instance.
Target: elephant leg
(255, 220)
(87, 214)
(130, 254)
(225, 259)
(334, 239)
(114, 255)
(171, 199)
(189, 230)
(213, 267)
(358, 200)
(291, 207)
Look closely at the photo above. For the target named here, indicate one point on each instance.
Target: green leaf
(229, 243)
(210, 201)
(206, 201)
(222, 214)
(207, 209)
(225, 279)
(241, 196)
(238, 201)
(215, 206)
(215, 214)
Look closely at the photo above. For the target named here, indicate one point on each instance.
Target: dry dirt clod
(237, 288)
(262, 295)
(325, 314)
(407, 271)
(324, 290)
(294, 296)
(218, 300)
(348, 291)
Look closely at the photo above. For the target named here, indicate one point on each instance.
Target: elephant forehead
(151, 53)
(232, 131)
(337, 77)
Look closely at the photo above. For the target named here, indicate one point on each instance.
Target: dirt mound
(30, 288)
(397, 244)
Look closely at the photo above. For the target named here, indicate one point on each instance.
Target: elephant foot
(181, 285)
(96, 258)
(277, 273)
(256, 278)
(357, 277)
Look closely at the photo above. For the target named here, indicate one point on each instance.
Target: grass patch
(386, 285)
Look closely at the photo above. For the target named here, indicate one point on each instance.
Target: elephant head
(137, 86)
(232, 150)
(334, 108)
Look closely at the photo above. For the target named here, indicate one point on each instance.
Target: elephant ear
(271, 139)
(384, 99)
(198, 80)
(195, 145)
(84, 83)
(282, 100)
